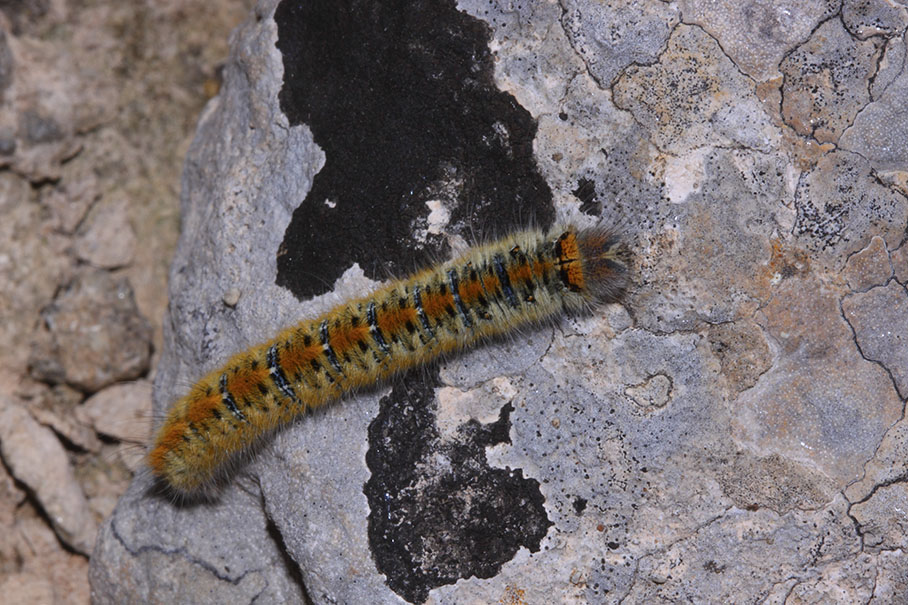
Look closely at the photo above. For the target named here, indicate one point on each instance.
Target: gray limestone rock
(826, 81)
(757, 34)
(878, 318)
(880, 130)
(729, 430)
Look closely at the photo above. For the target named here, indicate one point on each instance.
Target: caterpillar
(490, 290)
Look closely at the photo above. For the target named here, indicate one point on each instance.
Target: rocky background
(732, 432)
(98, 104)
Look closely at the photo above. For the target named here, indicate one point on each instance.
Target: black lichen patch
(439, 512)
(586, 193)
(841, 203)
(400, 96)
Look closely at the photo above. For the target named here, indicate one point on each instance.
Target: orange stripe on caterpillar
(488, 291)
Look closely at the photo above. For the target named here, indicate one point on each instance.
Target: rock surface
(97, 335)
(36, 458)
(733, 429)
(98, 103)
(108, 240)
(120, 411)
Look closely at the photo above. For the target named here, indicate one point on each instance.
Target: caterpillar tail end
(167, 461)
(606, 263)
(171, 475)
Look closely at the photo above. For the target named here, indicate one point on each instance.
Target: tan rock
(108, 239)
(685, 99)
(55, 407)
(10, 499)
(742, 352)
(827, 82)
(97, 335)
(71, 201)
(36, 458)
(900, 263)
(27, 588)
(30, 268)
(35, 541)
(821, 404)
(121, 411)
(76, 433)
(869, 267)
(41, 554)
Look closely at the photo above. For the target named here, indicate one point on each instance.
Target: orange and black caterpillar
(490, 290)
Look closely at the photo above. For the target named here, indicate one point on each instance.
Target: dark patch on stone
(579, 505)
(401, 97)
(439, 512)
(7, 63)
(589, 200)
(713, 567)
(37, 128)
(7, 144)
(24, 14)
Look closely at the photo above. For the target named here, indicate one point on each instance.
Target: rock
(880, 527)
(108, 240)
(36, 458)
(121, 411)
(878, 318)
(31, 267)
(11, 496)
(40, 93)
(608, 35)
(653, 393)
(97, 335)
(891, 578)
(821, 403)
(78, 434)
(696, 86)
(888, 464)
(71, 202)
(879, 130)
(27, 588)
(840, 207)
(14, 191)
(742, 352)
(684, 278)
(713, 550)
(37, 128)
(900, 264)
(7, 63)
(774, 482)
(757, 35)
(55, 407)
(873, 18)
(147, 533)
(39, 555)
(105, 478)
(707, 442)
(827, 81)
(869, 267)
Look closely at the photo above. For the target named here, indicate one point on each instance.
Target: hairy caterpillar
(490, 290)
